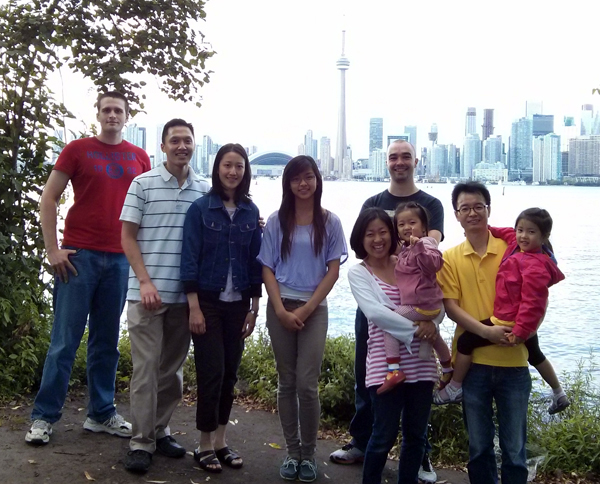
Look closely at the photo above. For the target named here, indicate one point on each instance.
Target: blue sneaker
(289, 469)
(307, 471)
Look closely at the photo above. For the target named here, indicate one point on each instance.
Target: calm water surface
(572, 325)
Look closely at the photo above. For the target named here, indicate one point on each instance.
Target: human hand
(197, 322)
(249, 324)
(513, 338)
(290, 321)
(302, 312)
(413, 240)
(427, 330)
(498, 335)
(150, 298)
(261, 223)
(61, 265)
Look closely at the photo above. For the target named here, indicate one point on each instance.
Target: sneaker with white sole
(348, 454)
(448, 394)
(426, 473)
(39, 433)
(115, 425)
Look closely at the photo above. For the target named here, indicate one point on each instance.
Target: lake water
(572, 324)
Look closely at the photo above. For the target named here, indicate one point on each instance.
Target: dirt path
(76, 456)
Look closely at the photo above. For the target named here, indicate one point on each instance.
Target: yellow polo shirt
(471, 280)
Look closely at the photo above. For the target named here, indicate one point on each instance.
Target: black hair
(242, 191)
(470, 187)
(357, 237)
(419, 210)
(287, 210)
(114, 94)
(542, 219)
(171, 124)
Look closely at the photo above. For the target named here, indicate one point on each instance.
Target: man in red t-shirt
(90, 269)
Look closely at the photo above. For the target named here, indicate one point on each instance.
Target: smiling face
(401, 161)
(112, 115)
(472, 212)
(304, 184)
(178, 146)
(409, 223)
(378, 240)
(231, 172)
(529, 236)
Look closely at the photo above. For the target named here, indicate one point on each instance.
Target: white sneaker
(39, 433)
(426, 472)
(115, 425)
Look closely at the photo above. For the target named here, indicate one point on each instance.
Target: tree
(112, 43)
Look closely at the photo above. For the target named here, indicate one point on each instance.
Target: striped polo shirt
(157, 203)
(413, 367)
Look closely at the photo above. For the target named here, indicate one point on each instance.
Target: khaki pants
(160, 341)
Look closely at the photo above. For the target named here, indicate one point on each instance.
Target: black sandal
(206, 459)
(227, 457)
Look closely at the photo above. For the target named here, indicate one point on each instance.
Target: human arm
(191, 250)
(49, 202)
(148, 293)
(507, 234)
(427, 256)
(250, 320)
(321, 292)
(196, 319)
(288, 319)
(496, 334)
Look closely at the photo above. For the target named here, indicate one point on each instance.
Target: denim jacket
(212, 241)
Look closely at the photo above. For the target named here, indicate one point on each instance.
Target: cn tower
(343, 164)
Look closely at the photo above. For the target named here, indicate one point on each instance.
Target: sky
(411, 63)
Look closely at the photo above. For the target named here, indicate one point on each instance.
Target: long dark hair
(242, 191)
(542, 219)
(287, 211)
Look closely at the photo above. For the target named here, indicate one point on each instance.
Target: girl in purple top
(418, 262)
(302, 249)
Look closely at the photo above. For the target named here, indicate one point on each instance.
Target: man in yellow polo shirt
(499, 372)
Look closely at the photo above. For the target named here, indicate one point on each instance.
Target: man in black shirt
(401, 163)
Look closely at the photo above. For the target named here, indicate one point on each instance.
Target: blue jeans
(98, 291)
(510, 388)
(412, 402)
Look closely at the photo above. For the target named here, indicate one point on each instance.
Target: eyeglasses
(466, 210)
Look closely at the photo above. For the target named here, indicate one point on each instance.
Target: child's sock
(393, 363)
(557, 393)
(393, 366)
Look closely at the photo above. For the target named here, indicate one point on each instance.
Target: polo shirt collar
(167, 175)
(494, 246)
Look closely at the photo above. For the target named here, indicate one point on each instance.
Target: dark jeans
(412, 402)
(361, 425)
(217, 354)
(468, 341)
(509, 388)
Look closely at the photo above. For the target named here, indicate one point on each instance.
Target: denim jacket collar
(215, 201)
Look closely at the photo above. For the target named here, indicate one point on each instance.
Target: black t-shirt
(389, 202)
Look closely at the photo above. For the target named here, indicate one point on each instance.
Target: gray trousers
(160, 341)
(298, 355)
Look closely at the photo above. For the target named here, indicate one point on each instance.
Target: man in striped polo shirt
(153, 217)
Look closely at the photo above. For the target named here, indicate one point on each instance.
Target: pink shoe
(393, 378)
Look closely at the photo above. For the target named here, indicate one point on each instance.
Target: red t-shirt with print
(100, 174)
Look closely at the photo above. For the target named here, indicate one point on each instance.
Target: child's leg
(395, 375)
(443, 353)
(560, 401)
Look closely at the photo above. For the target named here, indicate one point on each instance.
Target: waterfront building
(439, 160)
(487, 128)
(375, 134)
(207, 150)
(325, 156)
(310, 146)
(520, 155)
(471, 121)
(453, 161)
(587, 119)
(342, 165)
(490, 172)
(411, 131)
(569, 130)
(492, 149)
(542, 124)
(378, 164)
(584, 156)
(159, 156)
(471, 155)
(269, 163)
(197, 156)
(392, 138)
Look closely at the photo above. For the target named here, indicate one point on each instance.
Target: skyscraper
(520, 155)
(207, 149)
(433, 136)
(587, 119)
(325, 152)
(542, 124)
(547, 158)
(159, 155)
(391, 138)
(472, 154)
(412, 132)
(471, 122)
(487, 128)
(341, 163)
(492, 149)
(584, 156)
(439, 160)
(375, 134)
(310, 145)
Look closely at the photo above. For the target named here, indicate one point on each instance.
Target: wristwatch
(253, 312)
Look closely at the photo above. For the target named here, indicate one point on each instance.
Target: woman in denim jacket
(222, 280)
